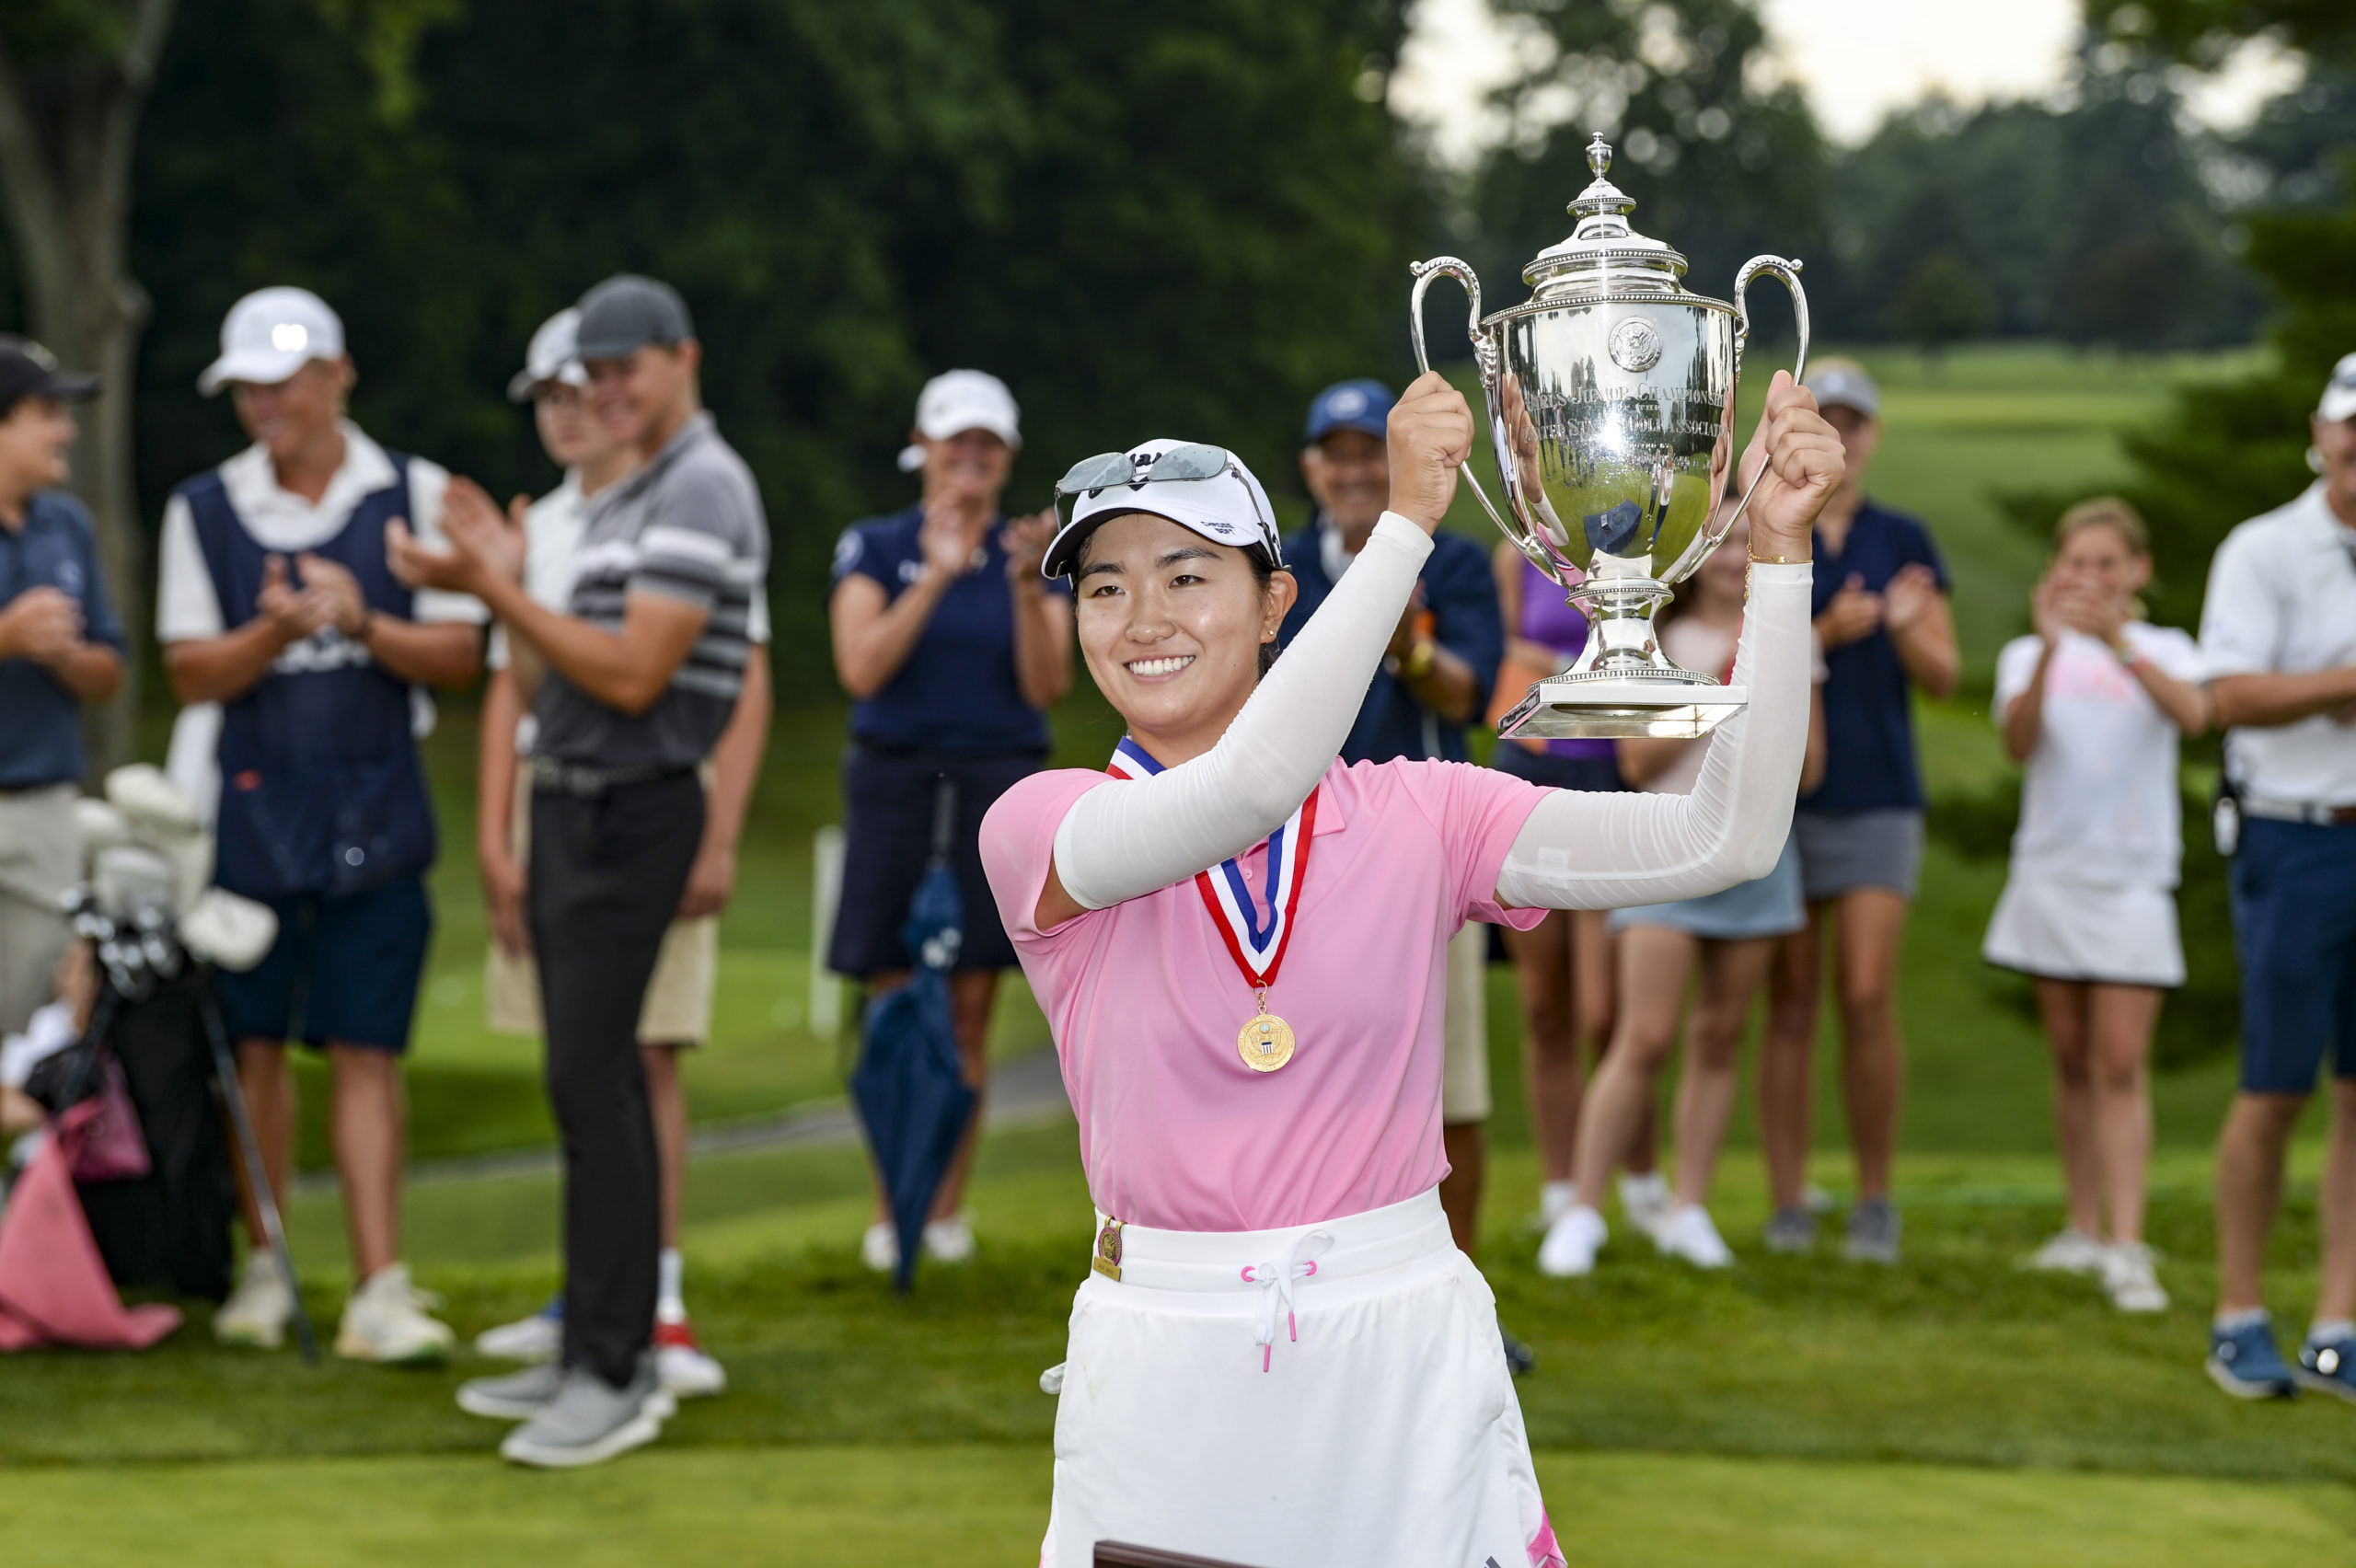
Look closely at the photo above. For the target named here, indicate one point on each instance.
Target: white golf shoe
(1572, 1242)
(257, 1313)
(1646, 1199)
(1688, 1233)
(387, 1321)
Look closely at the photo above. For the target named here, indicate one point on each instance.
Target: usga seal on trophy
(1610, 397)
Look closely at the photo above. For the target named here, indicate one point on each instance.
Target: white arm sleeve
(1579, 850)
(1139, 835)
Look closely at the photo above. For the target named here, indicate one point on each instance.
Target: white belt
(2297, 811)
(1277, 1264)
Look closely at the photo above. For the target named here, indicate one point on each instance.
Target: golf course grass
(1954, 1410)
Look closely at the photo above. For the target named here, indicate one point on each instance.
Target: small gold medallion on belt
(1107, 1260)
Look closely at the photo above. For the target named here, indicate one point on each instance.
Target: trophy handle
(1788, 274)
(1484, 353)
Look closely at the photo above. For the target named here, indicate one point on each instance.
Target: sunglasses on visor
(1194, 460)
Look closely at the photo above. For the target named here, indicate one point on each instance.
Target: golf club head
(227, 931)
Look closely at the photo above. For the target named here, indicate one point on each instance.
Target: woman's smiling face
(1172, 626)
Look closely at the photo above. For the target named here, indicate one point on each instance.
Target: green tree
(1944, 303)
(2226, 451)
(1720, 170)
(76, 76)
(1165, 220)
(73, 74)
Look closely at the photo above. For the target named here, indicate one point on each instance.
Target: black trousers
(606, 876)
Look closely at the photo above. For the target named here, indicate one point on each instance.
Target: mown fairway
(1955, 1412)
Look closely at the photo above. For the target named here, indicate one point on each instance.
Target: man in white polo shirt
(2278, 636)
(276, 603)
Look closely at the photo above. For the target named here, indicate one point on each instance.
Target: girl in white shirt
(2093, 703)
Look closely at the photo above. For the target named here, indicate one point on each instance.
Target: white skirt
(1370, 1418)
(2065, 931)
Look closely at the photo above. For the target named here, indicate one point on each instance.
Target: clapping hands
(1025, 541)
(481, 544)
(1855, 612)
(41, 624)
(2056, 606)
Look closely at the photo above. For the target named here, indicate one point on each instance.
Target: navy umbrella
(910, 1085)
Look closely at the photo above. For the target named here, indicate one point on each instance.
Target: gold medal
(1264, 1043)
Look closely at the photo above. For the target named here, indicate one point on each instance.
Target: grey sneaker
(511, 1396)
(1790, 1232)
(1873, 1232)
(588, 1421)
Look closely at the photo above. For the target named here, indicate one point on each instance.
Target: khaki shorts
(677, 1010)
(41, 857)
(1464, 1079)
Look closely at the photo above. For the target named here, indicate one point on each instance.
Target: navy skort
(887, 837)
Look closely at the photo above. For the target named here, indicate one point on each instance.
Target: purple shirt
(1549, 619)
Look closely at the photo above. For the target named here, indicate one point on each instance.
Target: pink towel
(53, 1285)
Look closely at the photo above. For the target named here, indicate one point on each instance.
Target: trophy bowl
(1611, 395)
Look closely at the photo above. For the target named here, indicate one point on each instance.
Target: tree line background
(1150, 220)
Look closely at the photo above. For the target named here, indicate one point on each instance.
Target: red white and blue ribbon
(1257, 928)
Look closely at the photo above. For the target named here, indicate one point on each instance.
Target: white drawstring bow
(1275, 1280)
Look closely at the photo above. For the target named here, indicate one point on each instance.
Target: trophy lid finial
(1604, 238)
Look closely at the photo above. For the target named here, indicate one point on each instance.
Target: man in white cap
(676, 1015)
(646, 667)
(276, 601)
(2278, 635)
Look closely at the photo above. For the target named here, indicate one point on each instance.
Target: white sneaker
(2070, 1251)
(949, 1240)
(1572, 1241)
(684, 1368)
(386, 1321)
(1688, 1233)
(533, 1339)
(1555, 1199)
(1646, 1199)
(2128, 1276)
(880, 1248)
(257, 1313)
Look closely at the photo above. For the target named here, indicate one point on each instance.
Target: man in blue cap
(1434, 682)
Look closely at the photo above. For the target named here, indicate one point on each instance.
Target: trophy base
(1604, 707)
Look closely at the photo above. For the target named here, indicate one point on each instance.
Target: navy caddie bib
(321, 792)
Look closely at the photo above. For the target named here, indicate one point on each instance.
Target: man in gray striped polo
(643, 673)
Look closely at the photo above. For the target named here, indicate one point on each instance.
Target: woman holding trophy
(1278, 1355)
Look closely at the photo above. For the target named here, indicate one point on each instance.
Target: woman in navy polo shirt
(953, 647)
(1883, 621)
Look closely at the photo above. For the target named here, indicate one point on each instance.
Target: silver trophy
(1610, 397)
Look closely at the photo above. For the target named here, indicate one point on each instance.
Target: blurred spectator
(954, 648)
(2091, 703)
(1563, 963)
(676, 1015)
(1434, 680)
(2278, 641)
(645, 667)
(275, 600)
(1732, 933)
(60, 647)
(1883, 622)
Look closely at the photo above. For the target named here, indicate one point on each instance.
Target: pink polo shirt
(1176, 1130)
